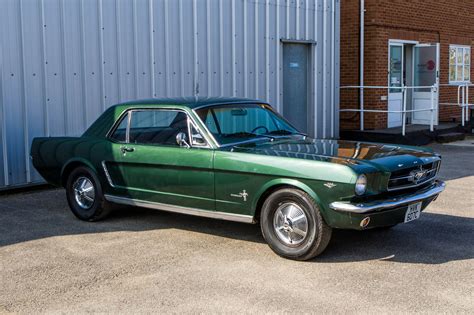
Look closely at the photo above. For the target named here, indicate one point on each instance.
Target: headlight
(361, 185)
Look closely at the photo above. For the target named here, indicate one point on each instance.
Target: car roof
(192, 102)
(102, 125)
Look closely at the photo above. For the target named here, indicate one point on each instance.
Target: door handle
(125, 149)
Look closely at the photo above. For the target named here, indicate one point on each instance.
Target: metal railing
(462, 100)
(433, 108)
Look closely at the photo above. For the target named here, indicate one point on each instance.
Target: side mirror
(181, 140)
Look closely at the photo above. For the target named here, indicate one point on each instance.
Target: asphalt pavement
(143, 261)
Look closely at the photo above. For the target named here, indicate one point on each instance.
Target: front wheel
(84, 195)
(292, 225)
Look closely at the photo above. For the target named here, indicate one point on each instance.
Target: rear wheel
(292, 225)
(84, 195)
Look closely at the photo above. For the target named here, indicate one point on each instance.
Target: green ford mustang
(237, 159)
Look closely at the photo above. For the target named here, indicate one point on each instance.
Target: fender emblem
(242, 194)
(330, 185)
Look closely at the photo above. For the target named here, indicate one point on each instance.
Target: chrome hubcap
(84, 192)
(290, 224)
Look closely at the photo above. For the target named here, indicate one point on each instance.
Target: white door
(425, 73)
(395, 80)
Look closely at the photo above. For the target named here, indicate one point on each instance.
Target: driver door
(153, 167)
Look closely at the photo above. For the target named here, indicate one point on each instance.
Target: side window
(196, 138)
(120, 134)
(157, 126)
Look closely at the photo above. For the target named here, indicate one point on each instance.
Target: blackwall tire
(293, 226)
(85, 196)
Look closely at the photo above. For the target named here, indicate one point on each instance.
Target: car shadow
(433, 239)
(30, 216)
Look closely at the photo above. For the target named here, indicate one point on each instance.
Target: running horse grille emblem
(242, 194)
(417, 175)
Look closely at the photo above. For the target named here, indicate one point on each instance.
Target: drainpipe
(361, 63)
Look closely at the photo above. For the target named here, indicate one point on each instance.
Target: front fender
(321, 194)
(287, 182)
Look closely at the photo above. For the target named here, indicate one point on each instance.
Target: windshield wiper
(246, 135)
(284, 132)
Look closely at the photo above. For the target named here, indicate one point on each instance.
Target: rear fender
(70, 164)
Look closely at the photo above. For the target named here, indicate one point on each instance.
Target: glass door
(425, 74)
(395, 81)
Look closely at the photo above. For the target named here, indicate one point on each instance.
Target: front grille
(413, 176)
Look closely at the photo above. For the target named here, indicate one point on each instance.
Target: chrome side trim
(179, 209)
(433, 190)
(107, 175)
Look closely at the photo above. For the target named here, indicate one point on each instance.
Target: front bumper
(386, 204)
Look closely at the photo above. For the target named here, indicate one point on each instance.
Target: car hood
(359, 155)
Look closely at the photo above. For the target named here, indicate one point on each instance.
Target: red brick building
(411, 43)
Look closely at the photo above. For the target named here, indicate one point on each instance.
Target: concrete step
(450, 137)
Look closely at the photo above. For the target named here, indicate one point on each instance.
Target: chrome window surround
(217, 144)
(207, 135)
(190, 121)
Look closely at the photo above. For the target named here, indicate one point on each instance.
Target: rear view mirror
(238, 112)
(181, 140)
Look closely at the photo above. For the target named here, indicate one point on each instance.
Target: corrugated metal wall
(62, 62)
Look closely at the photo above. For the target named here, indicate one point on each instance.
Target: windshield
(244, 122)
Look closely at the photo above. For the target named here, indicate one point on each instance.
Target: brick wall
(441, 21)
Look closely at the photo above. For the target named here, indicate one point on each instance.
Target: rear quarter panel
(50, 156)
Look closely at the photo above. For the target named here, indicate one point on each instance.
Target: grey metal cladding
(63, 62)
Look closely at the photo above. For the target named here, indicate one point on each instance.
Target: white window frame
(456, 64)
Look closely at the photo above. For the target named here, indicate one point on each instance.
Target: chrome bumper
(375, 206)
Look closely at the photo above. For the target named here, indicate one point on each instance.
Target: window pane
(157, 126)
(467, 56)
(395, 79)
(452, 73)
(452, 56)
(238, 123)
(459, 55)
(152, 118)
(459, 73)
(467, 70)
(196, 138)
(120, 133)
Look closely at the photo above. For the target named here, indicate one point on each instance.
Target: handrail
(404, 111)
(462, 101)
(386, 87)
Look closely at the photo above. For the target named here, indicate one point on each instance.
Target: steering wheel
(259, 127)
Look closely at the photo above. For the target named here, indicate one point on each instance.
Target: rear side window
(157, 126)
(120, 134)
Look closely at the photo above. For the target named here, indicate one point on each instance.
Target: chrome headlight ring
(361, 185)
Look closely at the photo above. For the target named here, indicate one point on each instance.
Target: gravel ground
(149, 261)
